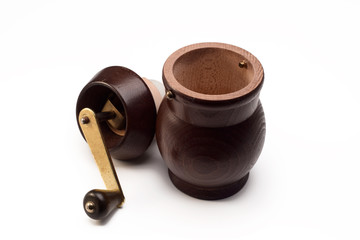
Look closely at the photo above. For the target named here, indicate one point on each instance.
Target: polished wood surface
(98, 204)
(211, 72)
(157, 96)
(132, 97)
(209, 158)
(212, 133)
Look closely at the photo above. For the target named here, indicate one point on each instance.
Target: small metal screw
(170, 95)
(90, 207)
(243, 64)
(85, 120)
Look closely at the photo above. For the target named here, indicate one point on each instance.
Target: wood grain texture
(211, 133)
(210, 71)
(208, 193)
(132, 97)
(209, 158)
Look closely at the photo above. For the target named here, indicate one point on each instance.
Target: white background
(305, 185)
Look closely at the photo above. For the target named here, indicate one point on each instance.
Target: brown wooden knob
(98, 204)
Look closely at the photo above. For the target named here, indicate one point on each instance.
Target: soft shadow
(144, 158)
(151, 160)
(242, 193)
(104, 221)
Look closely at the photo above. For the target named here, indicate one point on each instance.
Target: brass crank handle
(99, 203)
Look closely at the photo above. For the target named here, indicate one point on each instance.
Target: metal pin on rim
(243, 64)
(169, 95)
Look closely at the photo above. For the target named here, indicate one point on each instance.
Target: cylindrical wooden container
(211, 127)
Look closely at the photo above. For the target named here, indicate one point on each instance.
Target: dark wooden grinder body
(211, 131)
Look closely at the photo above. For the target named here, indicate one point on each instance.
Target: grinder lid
(132, 100)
